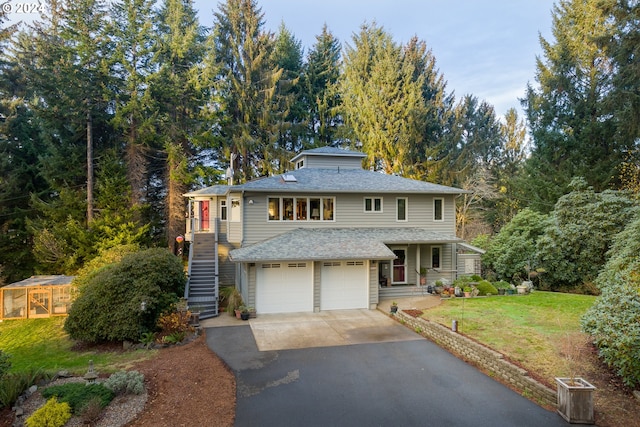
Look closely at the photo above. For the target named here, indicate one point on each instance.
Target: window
(223, 210)
(437, 210)
(401, 211)
(435, 257)
(300, 208)
(300, 164)
(274, 209)
(327, 211)
(373, 204)
(287, 209)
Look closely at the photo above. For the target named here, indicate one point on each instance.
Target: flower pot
(394, 308)
(522, 289)
(244, 315)
(238, 313)
(575, 400)
(467, 294)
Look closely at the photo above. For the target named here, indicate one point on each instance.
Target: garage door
(344, 284)
(284, 287)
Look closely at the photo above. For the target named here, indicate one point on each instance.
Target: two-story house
(327, 235)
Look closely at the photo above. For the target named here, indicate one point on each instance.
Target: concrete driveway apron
(353, 368)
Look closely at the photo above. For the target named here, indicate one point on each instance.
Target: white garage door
(284, 287)
(344, 284)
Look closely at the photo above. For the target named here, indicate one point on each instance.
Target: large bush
(573, 248)
(614, 320)
(123, 300)
(513, 248)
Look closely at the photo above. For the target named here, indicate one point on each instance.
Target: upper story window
(401, 208)
(300, 164)
(373, 204)
(438, 206)
(223, 210)
(300, 208)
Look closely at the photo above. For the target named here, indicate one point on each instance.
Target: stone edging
(490, 361)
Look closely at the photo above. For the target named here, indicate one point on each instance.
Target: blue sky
(483, 47)
(486, 48)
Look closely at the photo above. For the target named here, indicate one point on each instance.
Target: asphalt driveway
(411, 382)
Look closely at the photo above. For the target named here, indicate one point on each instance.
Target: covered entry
(344, 285)
(284, 287)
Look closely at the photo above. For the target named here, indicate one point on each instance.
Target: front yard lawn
(530, 329)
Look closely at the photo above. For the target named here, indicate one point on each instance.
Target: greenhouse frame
(36, 297)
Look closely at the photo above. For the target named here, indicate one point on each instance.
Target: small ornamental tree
(614, 320)
(123, 300)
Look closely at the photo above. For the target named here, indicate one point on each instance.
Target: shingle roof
(329, 151)
(214, 190)
(336, 244)
(345, 181)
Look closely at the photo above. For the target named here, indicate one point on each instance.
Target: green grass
(530, 329)
(43, 344)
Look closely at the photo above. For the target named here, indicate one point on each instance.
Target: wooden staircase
(202, 286)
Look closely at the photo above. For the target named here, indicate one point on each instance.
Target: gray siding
(349, 212)
(326, 162)
(373, 285)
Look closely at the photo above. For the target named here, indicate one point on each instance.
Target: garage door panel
(344, 285)
(284, 288)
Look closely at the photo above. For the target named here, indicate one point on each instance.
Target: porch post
(418, 250)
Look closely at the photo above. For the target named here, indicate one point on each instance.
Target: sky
(486, 48)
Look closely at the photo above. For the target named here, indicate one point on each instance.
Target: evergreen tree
(290, 113)
(573, 129)
(247, 83)
(321, 94)
(382, 100)
(179, 51)
(135, 110)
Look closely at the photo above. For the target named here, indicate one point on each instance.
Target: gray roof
(344, 181)
(320, 244)
(329, 151)
(214, 190)
(34, 281)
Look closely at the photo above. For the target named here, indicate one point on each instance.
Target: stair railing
(190, 262)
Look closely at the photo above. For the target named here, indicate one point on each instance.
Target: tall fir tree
(321, 93)
(572, 128)
(382, 100)
(179, 51)
(247, 83)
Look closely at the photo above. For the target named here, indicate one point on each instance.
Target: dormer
(328, 158)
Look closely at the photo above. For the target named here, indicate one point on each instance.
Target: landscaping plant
(79, 394)
(52, 414)
(122, 301)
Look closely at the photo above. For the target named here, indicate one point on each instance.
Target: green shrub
(486, 288)
(5, 363)
(78, 395)
(51, 414)
(502, 285)
(122, 301)
(14, 384)
(126, 382)
(613, 320)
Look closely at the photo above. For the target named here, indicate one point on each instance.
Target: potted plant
(394, 307)
(575, 394)
(244, 313)
(233, 299)
(467, 291)
(423, 276)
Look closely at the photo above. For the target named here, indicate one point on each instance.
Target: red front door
(204, 215)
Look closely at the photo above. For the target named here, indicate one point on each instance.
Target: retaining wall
(492, 362)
